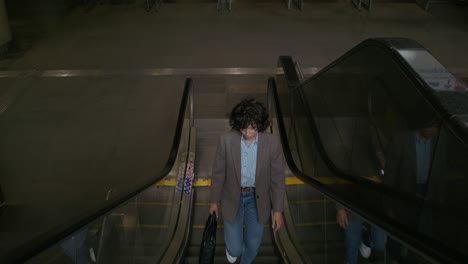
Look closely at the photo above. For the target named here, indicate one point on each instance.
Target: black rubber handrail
(426, 91)
(40, 243)
(289, 70)
(335, 169)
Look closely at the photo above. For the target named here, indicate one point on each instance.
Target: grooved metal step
(266, 254)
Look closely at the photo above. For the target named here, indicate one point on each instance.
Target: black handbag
(208, 244)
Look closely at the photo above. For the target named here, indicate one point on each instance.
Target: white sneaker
(365, 251)
(229, 258)
(92, 256)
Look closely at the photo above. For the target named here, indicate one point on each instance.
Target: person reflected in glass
(416, 164)
(355, 243)
(247, 181)
(77, 248)
(409, 161)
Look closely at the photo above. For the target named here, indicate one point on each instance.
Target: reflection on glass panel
(396, 252)
(315, 229)
(137, 230)
(446, 197)
(361, 238)
(80, 247)
(303, 142)
(433, 73)
(341, 100)
(366, 117)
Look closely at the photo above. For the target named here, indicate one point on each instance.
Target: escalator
(335, 128)
(342, 128)
(120, 231)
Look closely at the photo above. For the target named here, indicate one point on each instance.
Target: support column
(5, 32)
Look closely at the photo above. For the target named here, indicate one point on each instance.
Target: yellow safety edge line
(296, 202)
(290, 180)
(219, 226)
(308, 224)
(166, 182)
(173, 182)
(202, 204)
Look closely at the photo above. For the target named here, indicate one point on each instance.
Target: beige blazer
(269, 177)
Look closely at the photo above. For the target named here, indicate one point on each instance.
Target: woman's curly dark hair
(249, 112)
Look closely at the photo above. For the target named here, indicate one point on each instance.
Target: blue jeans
(74, 246)
(237, 242)
(353, 236)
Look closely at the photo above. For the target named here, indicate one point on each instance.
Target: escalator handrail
(40, 243)
(429, 247)
(292, 75)
(390, 45)
(287, 67)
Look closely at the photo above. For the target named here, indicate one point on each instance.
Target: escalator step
(266, 254)
(222, 259)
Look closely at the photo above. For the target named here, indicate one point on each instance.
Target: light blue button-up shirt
(423, 160)
(248, 162)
